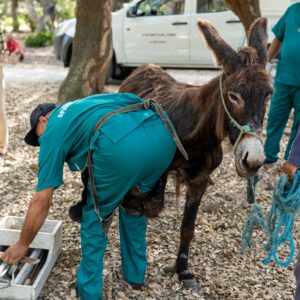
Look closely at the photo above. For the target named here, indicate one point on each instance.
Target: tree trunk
(3, 121)
(5, 8)
(246, 10)
(45, 19)
(113, 5)
(92, 50)
(14, 14)
(33, 16)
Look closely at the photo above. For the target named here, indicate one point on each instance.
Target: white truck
(165, 32)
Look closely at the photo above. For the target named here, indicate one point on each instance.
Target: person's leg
(281, 105)
(133, 246)
(152, 161)
(112, 182)
(114, 177)
(295, 94)
(118, 167)
(93, 245)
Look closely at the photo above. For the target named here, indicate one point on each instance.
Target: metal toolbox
(46, 245)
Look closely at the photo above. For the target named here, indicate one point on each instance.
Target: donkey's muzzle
(249, 156)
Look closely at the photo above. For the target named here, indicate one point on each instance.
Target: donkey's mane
(190, 107)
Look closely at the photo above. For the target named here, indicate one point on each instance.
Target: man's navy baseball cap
(41, 110)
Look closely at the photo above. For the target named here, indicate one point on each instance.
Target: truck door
(225, 21)
(158, 32)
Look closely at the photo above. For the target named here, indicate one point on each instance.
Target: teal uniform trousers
(285, 98)
(138, 159)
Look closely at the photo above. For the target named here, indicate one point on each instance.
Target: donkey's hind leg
(154, 200)
(150, 203)
(75, 211)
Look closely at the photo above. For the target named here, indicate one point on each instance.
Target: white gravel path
(56, 74)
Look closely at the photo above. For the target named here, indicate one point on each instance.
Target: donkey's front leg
(186, 234)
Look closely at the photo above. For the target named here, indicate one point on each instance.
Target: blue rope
(255, 218)
(281, 217)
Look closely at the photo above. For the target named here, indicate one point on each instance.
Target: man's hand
(34, 219)
(289, 169)
(14, 253)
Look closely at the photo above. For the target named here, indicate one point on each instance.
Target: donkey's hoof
(170, 268)
(191, 284)
(75, 212)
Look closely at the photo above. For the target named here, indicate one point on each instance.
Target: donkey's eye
(234, 97)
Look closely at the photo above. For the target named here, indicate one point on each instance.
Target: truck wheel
(68, 56)
(115, 73)
(110, 72)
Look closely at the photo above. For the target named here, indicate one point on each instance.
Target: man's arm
(274, 49)
(35, 217)
(293, 163)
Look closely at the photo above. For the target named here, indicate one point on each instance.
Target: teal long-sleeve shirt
(70, 129)
(287, 30)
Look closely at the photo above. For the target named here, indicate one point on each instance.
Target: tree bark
(33, 16)
(246, 10)
(14, 14)
(91, 52)
(45, 19)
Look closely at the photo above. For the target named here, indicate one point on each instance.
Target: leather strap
(147, 104)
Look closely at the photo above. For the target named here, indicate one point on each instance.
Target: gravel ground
(223, 273)
(40, 66)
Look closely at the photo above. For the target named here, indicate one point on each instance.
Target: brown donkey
(202, 123)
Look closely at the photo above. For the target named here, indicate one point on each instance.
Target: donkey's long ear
(258, 39)
(224, 55)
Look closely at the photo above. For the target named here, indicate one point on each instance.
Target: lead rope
(256, 217)
(280, 220)
(281, 217)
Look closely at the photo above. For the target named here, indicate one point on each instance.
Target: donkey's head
(245, 88)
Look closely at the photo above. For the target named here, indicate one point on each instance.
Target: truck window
(211, 6)
(160, 7)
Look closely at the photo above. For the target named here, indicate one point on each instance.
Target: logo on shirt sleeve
(63, 109)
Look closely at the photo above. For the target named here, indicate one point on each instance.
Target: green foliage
(65, 9)
(40, 39)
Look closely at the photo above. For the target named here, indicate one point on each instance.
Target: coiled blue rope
(280, 219)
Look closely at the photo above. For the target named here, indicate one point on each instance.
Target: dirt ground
(222, 272)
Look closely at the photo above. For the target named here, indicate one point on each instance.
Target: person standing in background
(286, 45)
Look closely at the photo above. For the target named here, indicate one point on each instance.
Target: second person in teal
(130, 150)
(287, 82)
